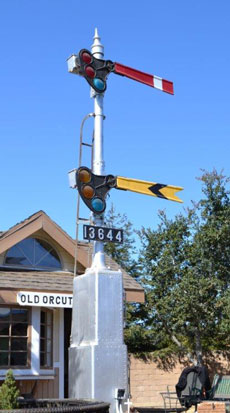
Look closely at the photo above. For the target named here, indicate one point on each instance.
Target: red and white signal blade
(150, 80)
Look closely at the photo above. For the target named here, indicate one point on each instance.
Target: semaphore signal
(96, 71)
(93, 188)
(98, 300)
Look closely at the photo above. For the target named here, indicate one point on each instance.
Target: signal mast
(97, 355)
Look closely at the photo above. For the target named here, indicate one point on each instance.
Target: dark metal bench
(171, 402)
(191, 395)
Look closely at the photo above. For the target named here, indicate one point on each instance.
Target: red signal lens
(86, 57)
(88, 191)
(84, 176)
(90, 72)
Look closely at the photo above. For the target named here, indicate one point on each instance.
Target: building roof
(50, 281)
(55, 281)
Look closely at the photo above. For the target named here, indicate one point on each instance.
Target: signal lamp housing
(93, 189)
(94, 70)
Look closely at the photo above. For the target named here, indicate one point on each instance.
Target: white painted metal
(97, 50)
(157, 82)
(97, 351)
(72, 66)
(72, 178)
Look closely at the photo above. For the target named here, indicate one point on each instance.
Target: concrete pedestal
(97, 356)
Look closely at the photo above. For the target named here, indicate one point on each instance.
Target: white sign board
(45, 299)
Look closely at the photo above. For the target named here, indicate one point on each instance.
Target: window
(14, 329)
(46, 339)
(33, 253)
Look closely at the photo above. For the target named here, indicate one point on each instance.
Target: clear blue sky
(147, 134)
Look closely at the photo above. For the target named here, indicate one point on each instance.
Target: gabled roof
(40, 220)
(44, 280)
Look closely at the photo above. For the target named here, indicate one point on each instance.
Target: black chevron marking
(155, 189)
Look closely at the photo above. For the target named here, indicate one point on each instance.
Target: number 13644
(102, 234)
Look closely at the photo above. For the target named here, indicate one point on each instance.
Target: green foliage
(184, 266)
(9, 392)
(185, 269)
(124, 253)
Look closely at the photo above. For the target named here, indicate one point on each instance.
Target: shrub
(9, 392)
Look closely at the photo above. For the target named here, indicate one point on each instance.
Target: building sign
(44, 299)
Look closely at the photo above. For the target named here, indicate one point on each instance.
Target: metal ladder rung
(83, 219)
(87, 144)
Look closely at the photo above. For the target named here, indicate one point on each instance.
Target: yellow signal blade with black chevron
(149, 188)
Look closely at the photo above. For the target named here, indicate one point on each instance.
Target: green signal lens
(88, 191)
(99, 84)
(98, 204)
(84, 176)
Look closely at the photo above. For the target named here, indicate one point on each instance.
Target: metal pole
(78, 196)
(97, 50)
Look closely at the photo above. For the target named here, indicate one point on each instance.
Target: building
(36, 277)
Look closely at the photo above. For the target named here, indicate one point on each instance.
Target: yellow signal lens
(84, 176)
(88, 191)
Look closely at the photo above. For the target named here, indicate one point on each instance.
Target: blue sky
(147, 134)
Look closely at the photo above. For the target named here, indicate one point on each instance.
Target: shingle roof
(49, 281)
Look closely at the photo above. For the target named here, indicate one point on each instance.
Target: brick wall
(211, 407)
(148, 380)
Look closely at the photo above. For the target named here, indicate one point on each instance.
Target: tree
(124, 253)
(186, 274)
(9, 392)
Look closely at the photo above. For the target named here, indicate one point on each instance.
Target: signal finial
(97, 48)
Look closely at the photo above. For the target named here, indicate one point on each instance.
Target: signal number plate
(102, 234)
